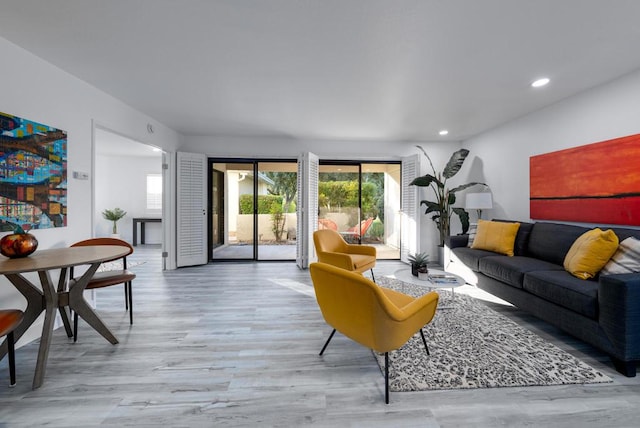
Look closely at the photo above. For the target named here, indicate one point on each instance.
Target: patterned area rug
(473, 346)
(117, 265)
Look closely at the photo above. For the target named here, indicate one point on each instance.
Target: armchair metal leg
(386, 377)
(373, 277)
(328, 340)
(425, 342)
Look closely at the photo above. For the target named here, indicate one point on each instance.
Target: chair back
(361, 229)
(328, 241)
(9, 320)
(106, 241)
(360, 309)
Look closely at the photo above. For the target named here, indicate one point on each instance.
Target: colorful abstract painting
(596, 183)
(33, 174)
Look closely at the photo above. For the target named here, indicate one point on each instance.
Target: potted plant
(114, 215)
(418, 262)
(442, 207)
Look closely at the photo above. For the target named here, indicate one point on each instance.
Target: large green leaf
(465, 186)
(431, 206)
(455, 163)
(464, 218)
(425, 181)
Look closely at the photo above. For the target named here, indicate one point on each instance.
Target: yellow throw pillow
(496, 236)
(590, 252)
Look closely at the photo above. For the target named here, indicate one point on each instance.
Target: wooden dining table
(56, 296)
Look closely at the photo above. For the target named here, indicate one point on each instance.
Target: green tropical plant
(442, 207)
(418, 259)
(114, 215)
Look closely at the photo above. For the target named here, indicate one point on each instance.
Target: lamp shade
(478, 201)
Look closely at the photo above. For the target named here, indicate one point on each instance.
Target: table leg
(142, 233)
(35, 306)
(84, 310)
(51, 304)
(62, 305)
(135, 233)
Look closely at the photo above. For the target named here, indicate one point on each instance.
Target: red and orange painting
(596, 183)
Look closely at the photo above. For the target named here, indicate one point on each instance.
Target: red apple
(18, 245)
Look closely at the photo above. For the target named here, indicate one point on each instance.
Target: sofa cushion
(511, 270)
(590, 252)
(522, 238)
(470, 257)
(473, 229)
(564, 289)
(551, 241)
(496, 236)
(626, 258)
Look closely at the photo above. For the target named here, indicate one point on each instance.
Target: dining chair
(9, 320)
(108, 278)
(376, 317)
(332, 249)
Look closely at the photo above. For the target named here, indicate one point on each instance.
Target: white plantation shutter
(307, 208)
(410, 218)
(191, 212)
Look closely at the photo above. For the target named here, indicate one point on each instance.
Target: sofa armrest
(456, 241)
(619, 306)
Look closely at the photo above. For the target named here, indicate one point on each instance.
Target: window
(154, 192)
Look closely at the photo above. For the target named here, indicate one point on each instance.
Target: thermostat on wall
(80, 175)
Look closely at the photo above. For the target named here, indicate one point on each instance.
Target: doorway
(127, 175)
(361, 201)
(252, 209)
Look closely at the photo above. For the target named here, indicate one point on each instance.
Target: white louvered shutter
(307, 208)
(410, 218)
(191, 213)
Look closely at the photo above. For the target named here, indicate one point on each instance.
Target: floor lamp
(478, 202)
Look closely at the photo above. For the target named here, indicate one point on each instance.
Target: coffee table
(405, 277)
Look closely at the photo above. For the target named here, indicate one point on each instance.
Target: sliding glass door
(361, 201)
(253, 212)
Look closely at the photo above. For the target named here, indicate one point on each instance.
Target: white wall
(122, 182)
(38, 91)
(606, 112)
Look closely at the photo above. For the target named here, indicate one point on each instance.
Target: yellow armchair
(332, 249)
(378, 318)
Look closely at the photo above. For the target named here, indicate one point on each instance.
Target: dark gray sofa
(604, 311)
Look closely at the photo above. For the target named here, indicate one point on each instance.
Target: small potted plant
(114, 215)
(418, 262)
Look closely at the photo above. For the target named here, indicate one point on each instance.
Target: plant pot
(415, 270)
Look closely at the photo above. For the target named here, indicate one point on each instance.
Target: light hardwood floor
(236, 344)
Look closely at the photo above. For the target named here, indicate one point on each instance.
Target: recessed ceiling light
(443, 132)
(540, 82)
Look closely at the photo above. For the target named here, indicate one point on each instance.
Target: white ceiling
(332, 69)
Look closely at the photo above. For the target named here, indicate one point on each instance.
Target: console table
(142, 221)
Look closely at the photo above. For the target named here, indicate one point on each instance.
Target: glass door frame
(255, 170)
(359, 164)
